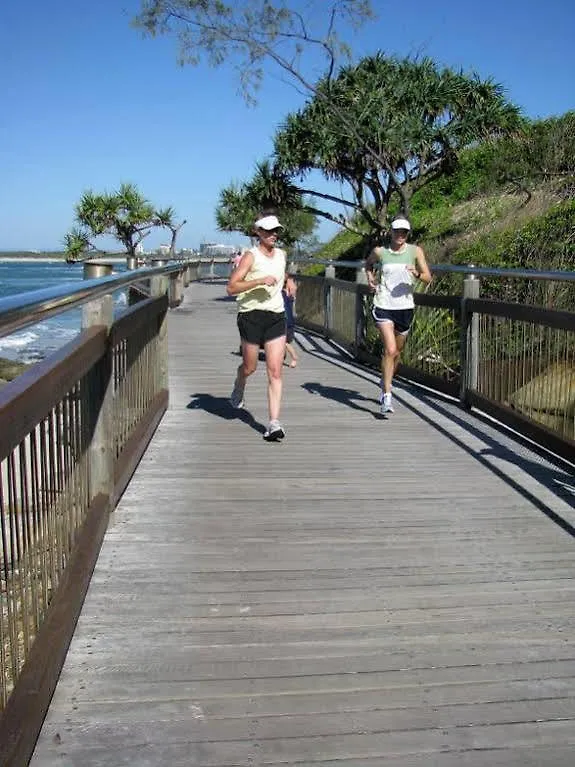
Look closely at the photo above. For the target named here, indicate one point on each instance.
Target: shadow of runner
(345, 396)
(221, 407)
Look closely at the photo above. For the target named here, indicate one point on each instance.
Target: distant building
(215, 250)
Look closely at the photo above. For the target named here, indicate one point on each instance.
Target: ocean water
(40, 340)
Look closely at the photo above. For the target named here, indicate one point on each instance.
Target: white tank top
(265, 297)
(395, 284)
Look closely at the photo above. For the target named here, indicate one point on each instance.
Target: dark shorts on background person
(259, 326)
(289, 334)
(401, 318)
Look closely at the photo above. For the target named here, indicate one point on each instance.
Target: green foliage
(345, 245)
(472, 215)
(543, 150)
(387, 127)
(546, 242)
(253, 34)
(268, 192)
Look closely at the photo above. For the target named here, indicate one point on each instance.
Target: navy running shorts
(259, 326)
(401, 318)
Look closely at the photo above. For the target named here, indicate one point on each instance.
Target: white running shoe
(386, 406)
(274, 432)
(237, 396)
(381, 392)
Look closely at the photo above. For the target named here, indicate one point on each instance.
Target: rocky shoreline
(10, 369)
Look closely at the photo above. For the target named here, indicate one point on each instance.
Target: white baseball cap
(267, 223)
(401, 223)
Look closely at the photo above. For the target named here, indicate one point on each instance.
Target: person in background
(257, 283)
(391, 270)
(235, 261)
(289, 293)
(236, 258)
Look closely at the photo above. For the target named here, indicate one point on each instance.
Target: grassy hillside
(509, 204)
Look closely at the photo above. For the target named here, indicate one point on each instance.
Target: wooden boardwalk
(367, 592)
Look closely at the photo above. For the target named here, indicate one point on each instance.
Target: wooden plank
(367, 592)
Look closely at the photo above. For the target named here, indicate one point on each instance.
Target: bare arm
(237, 282)
(290, 286)
(370, 263)
(421, 270)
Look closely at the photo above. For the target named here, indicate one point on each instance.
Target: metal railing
(514, 361)
(72, 430)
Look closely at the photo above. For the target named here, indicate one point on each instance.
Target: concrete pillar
(94, 270)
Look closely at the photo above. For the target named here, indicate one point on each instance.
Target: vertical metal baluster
(17, 589)
(30, 606)
(41, 536)
(9, 633)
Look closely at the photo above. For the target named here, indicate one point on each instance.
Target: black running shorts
(259, 326)
(401, 318)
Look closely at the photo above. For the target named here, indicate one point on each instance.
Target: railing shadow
(559, 482)
(221, 407)
(549, 472)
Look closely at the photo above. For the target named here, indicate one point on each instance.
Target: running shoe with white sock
(386, 406)
(274, 432)
(381, 392)
(237, 396)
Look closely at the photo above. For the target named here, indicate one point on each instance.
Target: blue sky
(88, 103)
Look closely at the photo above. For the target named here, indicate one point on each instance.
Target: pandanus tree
(125, 215)
(166, 218)
(382, 130)
(298, 40)
(268, 192)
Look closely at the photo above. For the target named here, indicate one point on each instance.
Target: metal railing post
(469, 338)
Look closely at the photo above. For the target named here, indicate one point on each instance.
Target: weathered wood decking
(368, 592)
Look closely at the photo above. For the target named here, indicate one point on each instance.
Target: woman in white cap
(391, 270)
(257, 282)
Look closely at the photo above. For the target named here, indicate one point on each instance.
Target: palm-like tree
(126, 215)
(166, 218)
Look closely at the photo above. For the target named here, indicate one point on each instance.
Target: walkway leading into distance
(368, 592)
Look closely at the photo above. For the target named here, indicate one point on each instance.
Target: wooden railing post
(327, 299)
(360, 279)
(176, 293)
(469, 339)
(158, 287)
(101, 457)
